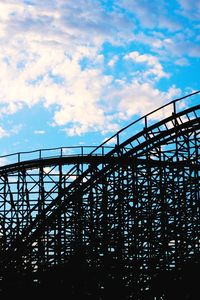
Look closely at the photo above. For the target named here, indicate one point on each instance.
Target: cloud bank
(53, 52)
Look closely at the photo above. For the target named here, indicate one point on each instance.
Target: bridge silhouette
(116, 221)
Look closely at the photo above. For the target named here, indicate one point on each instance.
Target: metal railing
(172, 107)
(39, 154)
(151, 118)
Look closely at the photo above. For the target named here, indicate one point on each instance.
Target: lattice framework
(128, 214)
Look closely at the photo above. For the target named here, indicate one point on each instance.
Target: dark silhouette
(118, 223)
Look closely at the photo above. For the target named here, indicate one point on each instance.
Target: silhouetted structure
(111, 222)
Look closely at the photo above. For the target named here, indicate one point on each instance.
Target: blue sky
(74, 72)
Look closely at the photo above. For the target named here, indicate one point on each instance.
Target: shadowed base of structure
(78, 281)
(74, 280)
(178, 284)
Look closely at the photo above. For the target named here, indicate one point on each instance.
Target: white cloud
(11, 131)
(151, 14)
(180, 45)
(3, 161)
(16, 129)
(191, 9)
(182, 62)
(113, 61)
(155, 69)
(183, 45)
(141, 98)
(3, 132)
(39, 131)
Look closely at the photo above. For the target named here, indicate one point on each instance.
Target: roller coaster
(117, 221)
